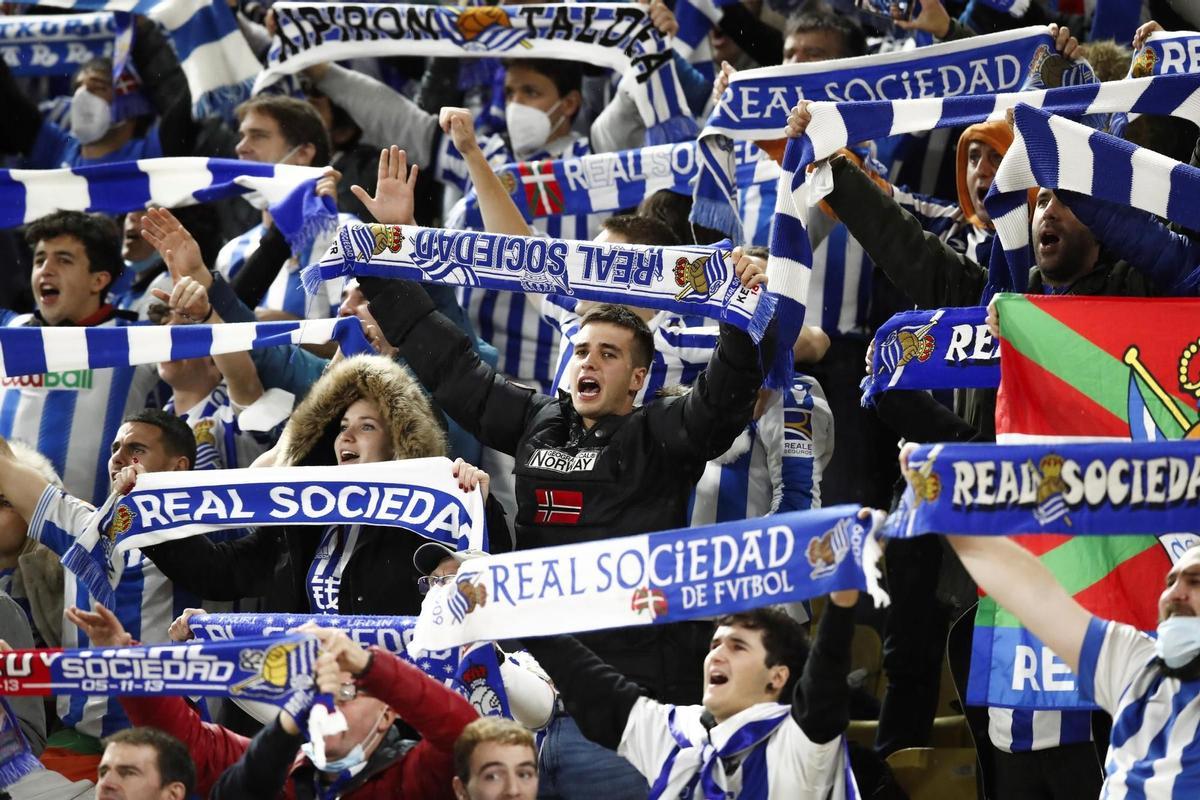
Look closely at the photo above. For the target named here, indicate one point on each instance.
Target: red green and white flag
(1075, 369)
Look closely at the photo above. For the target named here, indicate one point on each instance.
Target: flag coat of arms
(1078, 369)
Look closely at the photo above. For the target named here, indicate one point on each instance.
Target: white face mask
(529, 128)
(91, 116)
(356, 757)
(1178, 640)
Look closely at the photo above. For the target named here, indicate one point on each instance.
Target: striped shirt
(775, 465)
(786, 764)
(325, 572)
(682, 346)
(72, 417)
(220, 441)
(147, 602)
(1154, 751)
(286, 293)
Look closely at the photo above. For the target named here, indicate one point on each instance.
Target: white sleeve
(814, 766)
(58, 519)
(647, 742)
(531, 697)
(1110, 659)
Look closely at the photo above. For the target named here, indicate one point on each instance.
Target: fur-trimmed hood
(308, 437)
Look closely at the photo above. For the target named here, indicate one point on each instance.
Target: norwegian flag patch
(558, 506)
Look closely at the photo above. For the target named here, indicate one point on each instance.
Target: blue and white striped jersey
(147, 602)
(682, 346)
(72, 417)
(220, 441)
(286, 293)
(325, 572)
(1153, 752)
(776, 463)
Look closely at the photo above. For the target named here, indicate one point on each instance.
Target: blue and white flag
(1096, 489)
(686, 279)
(650, 579)
(475, 674)
(38, 350)
(1055, 153)
(947, 348)
(835, 126)
(61, 44)
(27, 194)
(619, 36)
(611, 182)
(756, 104)
(214, 55)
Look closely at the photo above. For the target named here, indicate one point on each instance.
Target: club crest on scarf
(908, 343)
(489, 28)
(826, 551)
(278, 671)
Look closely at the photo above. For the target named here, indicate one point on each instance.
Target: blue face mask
(1178, 640)
(356, 757)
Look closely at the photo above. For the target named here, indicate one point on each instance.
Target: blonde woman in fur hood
(364, 409)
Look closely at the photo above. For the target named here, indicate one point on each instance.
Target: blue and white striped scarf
(36, 350)
(214, 55)
(418, 495)
(610, 182)
(685, 279)
(474, 674)
(61, 44)
(27, 194)
(1055, 153)
(615, 35)
(1164, 53)
(696, 18)
(757, 102)
(835, 126)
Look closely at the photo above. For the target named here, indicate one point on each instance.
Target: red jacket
(438, 713)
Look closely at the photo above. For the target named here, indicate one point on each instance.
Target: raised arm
(500, 213)
(821, 702)
(599, 698)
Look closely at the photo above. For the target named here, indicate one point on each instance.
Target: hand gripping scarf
(615, 35)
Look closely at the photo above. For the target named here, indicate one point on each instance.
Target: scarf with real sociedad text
(474, 673)
(417, 494)
(686, 279)
(756, 105)
(651, 578)
(837, 125)
(619, 36)
(216, 58)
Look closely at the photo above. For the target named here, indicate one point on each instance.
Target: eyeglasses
(427, 582)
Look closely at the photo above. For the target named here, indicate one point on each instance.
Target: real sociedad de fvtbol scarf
(35, 350)
(214, 55)
(615, 35)
(756, 105)
(286, 190)
(1104, 488)
(686, 279)
(652, 578)
(61, 44)
(417, 494)
(476, 675)
(946, 348)
(1056, 153)
(835, 126)
(609, 182)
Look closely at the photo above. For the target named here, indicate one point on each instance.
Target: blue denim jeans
(573, 767)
